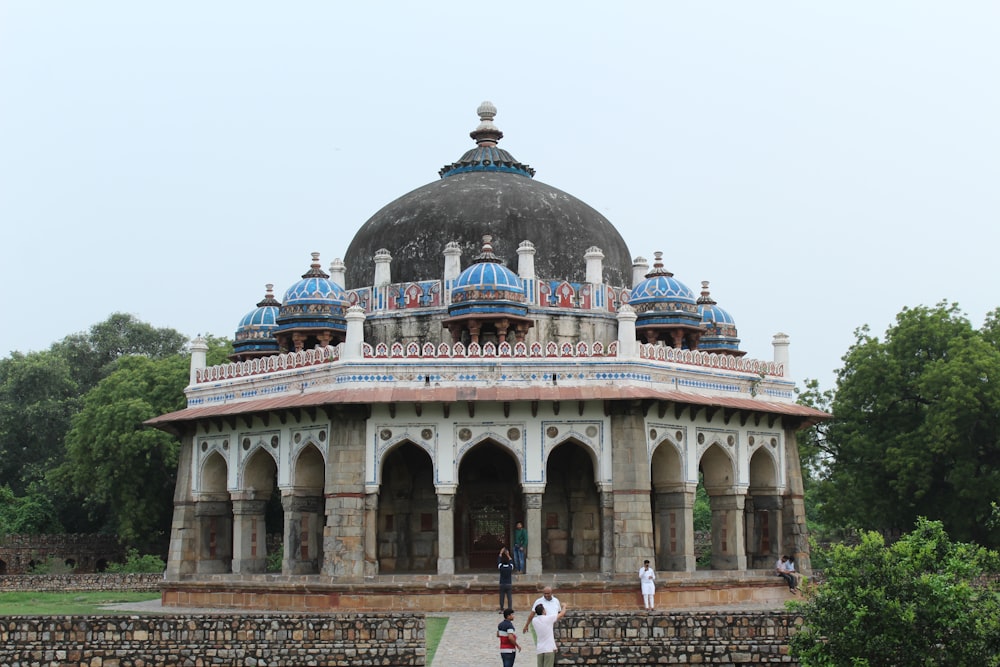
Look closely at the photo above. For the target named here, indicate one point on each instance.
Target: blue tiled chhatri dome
(312, 311)
(487, 288)
(720, 330)
(255, 333)
(662, 300)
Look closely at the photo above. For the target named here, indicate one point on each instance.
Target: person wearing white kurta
(647, 580)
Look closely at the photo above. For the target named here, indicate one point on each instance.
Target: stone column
(303, 534)
(214, 527)
(675, 531)
(763, 530)
(249, 536)
(344, 534)
(371, 534)
(631, 479)
(182, 552)
(728, 538)
(795, 535)
(533, 524)
(446, 530)
(607, 531)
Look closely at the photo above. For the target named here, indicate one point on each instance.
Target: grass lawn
(58, 604)
(433, 633)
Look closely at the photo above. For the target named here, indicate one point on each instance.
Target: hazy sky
(822, 164)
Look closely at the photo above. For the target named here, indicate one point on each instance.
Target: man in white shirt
(545, 639)
(549, 601)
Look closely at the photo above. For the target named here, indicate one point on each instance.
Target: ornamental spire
(486, 134)
(658, 269)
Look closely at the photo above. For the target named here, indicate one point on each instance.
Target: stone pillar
(199, 357)
(446, 530)
(526, 260)
(182, 552)
(607, 531)
(352, 349)
(338, 273)
(675, 550)
(371, 534)
(533, 524)
(781, 343)
(344, 534)
(795, 534)
(640, 267)
(303, 534)
(628, 346)
(595, 265)
(728, 538)
(214, 527)
(383, 274)
(763, 530)
(249, 536)
(631, 480)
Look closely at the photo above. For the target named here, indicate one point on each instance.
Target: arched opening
(101, 565)
(407, 512)
(257, 515)
(673, 516)
(3, 567)
(571, 511)
(488, 504)
(763, 511)
(719, 475)
(302, 549)
(214, 517)
(70, 563)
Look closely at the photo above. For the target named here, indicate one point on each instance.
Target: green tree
(917, 428)
(38, 398)
(921, 601)
(92, 356)
(31, 514)
(123, 471)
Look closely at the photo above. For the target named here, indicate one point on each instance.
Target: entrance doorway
(488, 504)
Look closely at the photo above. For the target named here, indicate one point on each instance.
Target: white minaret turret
(595, 265)
(355, 317)
(780, 342)
(199, 355)
(628, 346)
(640, 267)
(526, 260)
(338, 272)
(383, 275)
(452, 261)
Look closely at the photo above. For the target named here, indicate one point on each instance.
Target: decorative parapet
(536, 350)
(726, 362)
(262, 365)
(487, 350)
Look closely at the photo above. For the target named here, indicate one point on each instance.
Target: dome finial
(487, 134)
(314, 269)
(658, 269)
(705, 297)
(268, 299)
(487, 253)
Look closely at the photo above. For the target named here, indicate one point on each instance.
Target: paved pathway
(470, 640)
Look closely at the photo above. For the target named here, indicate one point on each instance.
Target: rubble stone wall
(273, 640)
(81, 582)
(704, 638)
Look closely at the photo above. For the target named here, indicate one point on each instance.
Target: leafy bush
(52, 565)
(138, 564)
(274, 559)
(921, 601)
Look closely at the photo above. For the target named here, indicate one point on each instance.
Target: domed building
(389, 422)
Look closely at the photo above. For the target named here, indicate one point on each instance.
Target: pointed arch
(407, 532)
(309, 468)
(214, 478)
(571, 510)
(488, 503)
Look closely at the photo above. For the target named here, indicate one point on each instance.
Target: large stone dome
(487, 192)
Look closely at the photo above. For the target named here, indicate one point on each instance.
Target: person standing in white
(549, 601)
(647, 580)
